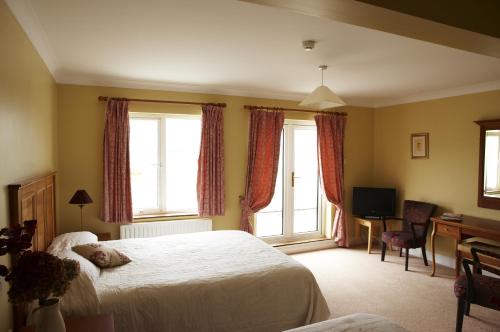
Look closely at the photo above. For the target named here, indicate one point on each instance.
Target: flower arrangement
(40, 275)
(34, 275)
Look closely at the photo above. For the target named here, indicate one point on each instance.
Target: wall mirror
(489, 164)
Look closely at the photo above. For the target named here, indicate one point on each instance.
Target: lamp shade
(322, 97)
(81, 198)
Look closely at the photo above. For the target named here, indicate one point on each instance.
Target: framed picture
(420, 145)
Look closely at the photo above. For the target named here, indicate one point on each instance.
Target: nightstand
(103, 236)
(98, 323)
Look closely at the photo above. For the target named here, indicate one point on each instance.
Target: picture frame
(419, 146)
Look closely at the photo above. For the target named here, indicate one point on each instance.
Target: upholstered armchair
(416, 219)
(475, 288)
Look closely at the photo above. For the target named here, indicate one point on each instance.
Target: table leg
(457, 260)
(357, 231)
(433, 249)
(370, 229)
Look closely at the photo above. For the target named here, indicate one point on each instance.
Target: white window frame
(161, 167)
(493, 191)
(288, 193)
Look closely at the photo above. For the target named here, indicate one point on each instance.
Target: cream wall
(449, 177)
(27, 121)
(81, 123)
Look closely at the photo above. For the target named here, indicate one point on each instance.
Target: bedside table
(103, 236)
(98, 323)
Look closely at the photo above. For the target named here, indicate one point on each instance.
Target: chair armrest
(477, 263)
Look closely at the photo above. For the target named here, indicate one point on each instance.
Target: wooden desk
(98, 323)
(468, 227)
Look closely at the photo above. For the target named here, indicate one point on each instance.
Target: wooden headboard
(35, 199)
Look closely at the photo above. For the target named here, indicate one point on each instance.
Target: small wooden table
(461, 230)
(98, 323)
(371, 224)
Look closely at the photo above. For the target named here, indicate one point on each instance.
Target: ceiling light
(322, 97)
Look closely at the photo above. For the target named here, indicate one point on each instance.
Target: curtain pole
(105, 98)
(270, 108)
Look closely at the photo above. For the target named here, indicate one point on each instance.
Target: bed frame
(28, 200)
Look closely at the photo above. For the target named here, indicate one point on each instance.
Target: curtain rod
(105, 98)
(253, 107)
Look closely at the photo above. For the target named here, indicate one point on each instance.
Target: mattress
(210, 281)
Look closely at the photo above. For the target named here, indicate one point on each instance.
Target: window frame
(162, 183)
(288, 235)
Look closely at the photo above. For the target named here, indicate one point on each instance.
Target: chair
(475, 288)
(416, 219)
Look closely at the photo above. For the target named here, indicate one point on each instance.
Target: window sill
(287, 243)
(162, 216)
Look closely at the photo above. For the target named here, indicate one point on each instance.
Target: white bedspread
(353, 323)
(211, 281)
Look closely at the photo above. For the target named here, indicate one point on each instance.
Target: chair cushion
(402, 239)
(486, 290)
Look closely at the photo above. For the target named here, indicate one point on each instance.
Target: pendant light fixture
(322, 97)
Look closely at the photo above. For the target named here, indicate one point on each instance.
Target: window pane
(144, 163)
(491, 161)
(182, 148)
(305, 216)
(269, 220)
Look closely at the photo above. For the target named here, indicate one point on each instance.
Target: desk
(468, 227)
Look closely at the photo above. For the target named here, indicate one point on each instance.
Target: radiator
(164, 227)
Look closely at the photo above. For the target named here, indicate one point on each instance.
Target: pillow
(101, 255)
(66, 241)
(87, 269)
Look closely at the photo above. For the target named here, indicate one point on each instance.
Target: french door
(296, 210)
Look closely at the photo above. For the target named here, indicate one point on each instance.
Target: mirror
(489, 164)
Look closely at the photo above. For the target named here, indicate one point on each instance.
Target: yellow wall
(449, 177)
(27, 121)
(81, 122)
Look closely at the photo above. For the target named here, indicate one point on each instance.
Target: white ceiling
(237, 48)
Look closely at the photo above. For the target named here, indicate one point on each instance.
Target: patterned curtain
(263, 156)
(117, 191)
(330, 129)
(210, 183)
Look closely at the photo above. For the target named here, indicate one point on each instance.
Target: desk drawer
(447, 230)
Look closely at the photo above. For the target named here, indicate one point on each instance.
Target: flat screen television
(373, 202)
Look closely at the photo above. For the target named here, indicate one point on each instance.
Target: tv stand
(370, 223)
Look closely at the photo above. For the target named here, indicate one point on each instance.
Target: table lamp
(81, 198)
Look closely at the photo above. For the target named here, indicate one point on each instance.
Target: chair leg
(460, 315)
(400, 252)
(467, 308)
(406, 259)
(384, 247)
(424, 255)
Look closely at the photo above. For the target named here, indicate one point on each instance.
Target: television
(373, 202)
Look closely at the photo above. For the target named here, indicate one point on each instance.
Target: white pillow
(66, 241)
(81, 297)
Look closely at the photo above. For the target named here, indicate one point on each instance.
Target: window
(296, 210)
(492, 163)
(164, 151)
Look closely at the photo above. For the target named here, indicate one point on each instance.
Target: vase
(47, 317)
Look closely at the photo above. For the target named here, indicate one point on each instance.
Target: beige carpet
(353, 281)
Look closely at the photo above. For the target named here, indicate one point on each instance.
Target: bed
(353, 323)
(210, 281)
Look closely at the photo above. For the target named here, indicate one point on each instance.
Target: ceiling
(238, 48)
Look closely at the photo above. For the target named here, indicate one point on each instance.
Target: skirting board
(307, 246)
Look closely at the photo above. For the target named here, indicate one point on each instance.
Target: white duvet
(211, 281)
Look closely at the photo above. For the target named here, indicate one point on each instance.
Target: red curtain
(210, 183)
(117, 191)
(263, 156)
(330, 129)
